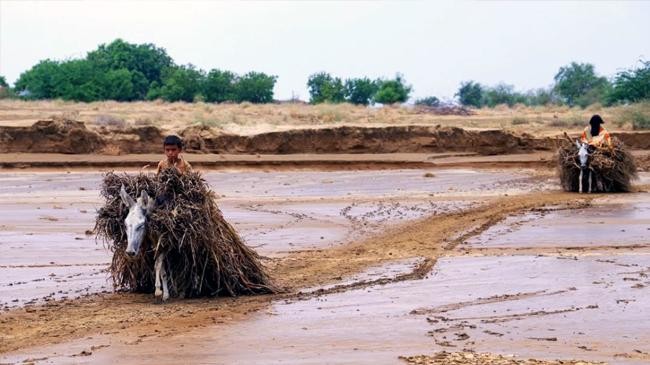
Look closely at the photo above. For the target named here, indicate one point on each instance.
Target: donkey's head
(135, 221)
(583, 154)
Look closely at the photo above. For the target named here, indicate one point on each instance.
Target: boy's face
(172, 151)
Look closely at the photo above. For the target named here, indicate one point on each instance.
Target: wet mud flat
(48, 250)
(568, 304)
(541, 305)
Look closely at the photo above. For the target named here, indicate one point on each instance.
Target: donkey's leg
(163, 276)
(591, 181)
(158, 266)
(580, 190)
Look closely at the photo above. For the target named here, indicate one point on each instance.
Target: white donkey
(135, 232)
(585, 171)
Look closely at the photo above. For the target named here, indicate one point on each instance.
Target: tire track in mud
(135, 315)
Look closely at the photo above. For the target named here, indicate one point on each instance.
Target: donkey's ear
(148, 203)
(578, 144)
(126, 198)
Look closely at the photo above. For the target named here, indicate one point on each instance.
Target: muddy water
(611, 223)
(47, 251)
(588, 305)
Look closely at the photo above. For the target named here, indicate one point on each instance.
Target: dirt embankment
(74, 137)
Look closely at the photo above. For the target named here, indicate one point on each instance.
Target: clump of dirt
(472, 358)
(54, 135)
(204, 255)
(194, 138)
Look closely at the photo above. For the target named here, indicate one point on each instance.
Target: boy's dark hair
(596, 119)
(173, 140)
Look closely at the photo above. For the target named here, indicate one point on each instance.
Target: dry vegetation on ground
(246, 118)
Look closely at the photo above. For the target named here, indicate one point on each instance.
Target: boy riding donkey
(595, 136)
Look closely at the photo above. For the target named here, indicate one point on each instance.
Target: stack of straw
(204, 254)
(613, 168)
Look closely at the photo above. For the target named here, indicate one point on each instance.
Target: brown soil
(105, 314)
(72, 137)
(470, 358)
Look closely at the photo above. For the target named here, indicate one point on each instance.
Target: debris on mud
(613, 169)
(471, 358)
(205, 255)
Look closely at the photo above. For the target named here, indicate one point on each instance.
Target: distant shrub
(573, 121)
(631, 85)
(430, 101)
(208, 123)
(637, 118)
(520, 121)
(324, 88)
(470, 93)
(360, 91)
(392, 91)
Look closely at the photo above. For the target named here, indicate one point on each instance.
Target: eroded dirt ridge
(67, 136)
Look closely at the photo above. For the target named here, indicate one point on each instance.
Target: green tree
(325, 88)
(181, 83)
(360, 91)
(578, 84)
(39, 80)
(220, 86)
(118, 85)
(502, 94)
(430, 101)
(78, 80)
(147, 59)
(470, 93)
(5, 90)
(255, 87)
(392, 91)
(541, 97)
(631, 85)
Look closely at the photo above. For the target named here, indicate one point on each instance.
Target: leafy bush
(255, 87)
(360, 91)
(470, 93)
(392, 91)
(637, 115)
(430, 101)
(323, 88)
(182, 83)
(220, 86)
(519, 121)
(631, 85)
(578, 84)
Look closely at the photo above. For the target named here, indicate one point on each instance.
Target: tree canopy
(124, 71)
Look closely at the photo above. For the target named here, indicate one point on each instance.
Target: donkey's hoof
(158, 293)
(165, 297)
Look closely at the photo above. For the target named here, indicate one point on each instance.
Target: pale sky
(435, 45)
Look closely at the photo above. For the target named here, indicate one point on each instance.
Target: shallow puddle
(612, 222)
